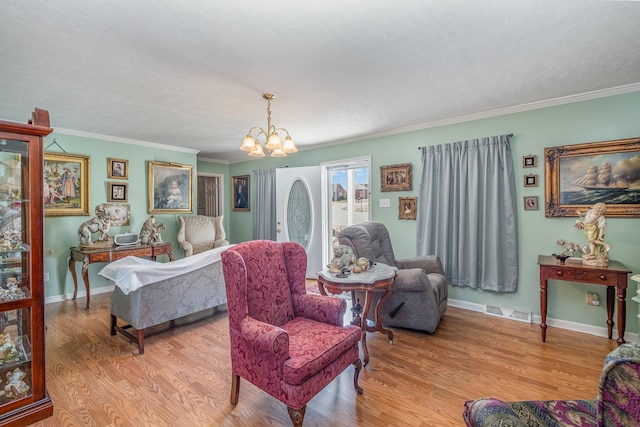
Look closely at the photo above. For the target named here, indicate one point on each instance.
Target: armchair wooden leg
(235, 389)
(296, 416)
(358, 365)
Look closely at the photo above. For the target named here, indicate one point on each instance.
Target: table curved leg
(364, 327)
(378, 325)
(85, 277)
(72, 269)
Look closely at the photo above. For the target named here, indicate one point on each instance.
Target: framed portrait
(118, 169)
(578, 176)
(66, 184)
(407, 207)
(529, 161)
(240, 193)
(118, 192)
(170, 188)
(396, 177)
(531, 203)
(118, 213)
(531, 180)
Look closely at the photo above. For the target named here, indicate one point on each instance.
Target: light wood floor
(183, 379)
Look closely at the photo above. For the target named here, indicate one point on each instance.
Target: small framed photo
(118, 169)
(396, 177)
(529, 161)
(240, 193)
(407, 207)
(118, 192)
(531, 180)
(531, 203)
(118, 213)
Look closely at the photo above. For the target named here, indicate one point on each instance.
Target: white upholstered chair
(200, 233)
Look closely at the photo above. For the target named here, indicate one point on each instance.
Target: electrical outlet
(593, 298)
(46, 277)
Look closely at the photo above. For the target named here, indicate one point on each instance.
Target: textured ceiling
(192, 73)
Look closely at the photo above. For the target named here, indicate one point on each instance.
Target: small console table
(380, 276)
(88, 256)
(613, 276)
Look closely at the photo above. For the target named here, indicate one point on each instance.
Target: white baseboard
(556, 323)
(81, 294)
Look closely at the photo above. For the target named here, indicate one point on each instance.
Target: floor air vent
(508, 313)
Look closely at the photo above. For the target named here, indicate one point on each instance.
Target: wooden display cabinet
(23, 394)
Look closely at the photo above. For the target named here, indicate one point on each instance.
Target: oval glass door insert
(299, 214)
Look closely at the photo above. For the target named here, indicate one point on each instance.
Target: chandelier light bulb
(248, 143)
(278, 152)
(274, 142)
(289, 146)
(257, 151)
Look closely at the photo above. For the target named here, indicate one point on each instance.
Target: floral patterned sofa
(617, 403)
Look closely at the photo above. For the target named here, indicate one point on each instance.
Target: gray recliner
(419, 298)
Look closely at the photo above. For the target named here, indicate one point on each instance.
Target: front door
(299, 212)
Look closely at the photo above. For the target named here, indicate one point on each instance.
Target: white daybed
(149, 293)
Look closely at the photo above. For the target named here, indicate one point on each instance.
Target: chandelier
(272, 141)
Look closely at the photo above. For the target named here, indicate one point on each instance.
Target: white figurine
(101, 224)
(593, 225)
(150, 232)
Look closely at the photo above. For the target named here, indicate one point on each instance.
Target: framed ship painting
(578, 176)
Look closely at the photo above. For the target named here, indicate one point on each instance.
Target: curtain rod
(509, 135)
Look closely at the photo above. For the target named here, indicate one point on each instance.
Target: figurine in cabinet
(10, 183)
(101, 224)
(8, 349)
(5, 242)
(16, 387)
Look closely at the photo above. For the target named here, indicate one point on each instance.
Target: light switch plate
(385, 203)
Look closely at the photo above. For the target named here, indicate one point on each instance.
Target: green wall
(601, 119)
(61, 233)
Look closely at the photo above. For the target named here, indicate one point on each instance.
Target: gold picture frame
(170, 187)
(118, 169)
(396, 177)
(531, 180)
(66, 184)
(118, 192)
(530, 161)
(240, 193)
(407, 207)
(575, 177)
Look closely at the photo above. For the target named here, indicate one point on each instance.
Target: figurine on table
(593, 225)
(150, 232)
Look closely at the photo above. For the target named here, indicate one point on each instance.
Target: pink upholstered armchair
(286, 342)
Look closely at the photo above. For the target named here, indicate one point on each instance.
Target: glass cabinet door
(15, 284)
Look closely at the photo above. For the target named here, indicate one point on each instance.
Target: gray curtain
(467, 212)
(264, 213)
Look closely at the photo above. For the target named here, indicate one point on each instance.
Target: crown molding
(619, 90)
(72, 132)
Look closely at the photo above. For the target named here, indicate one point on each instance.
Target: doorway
(210, 194)
(346, 195)
(299, 213)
